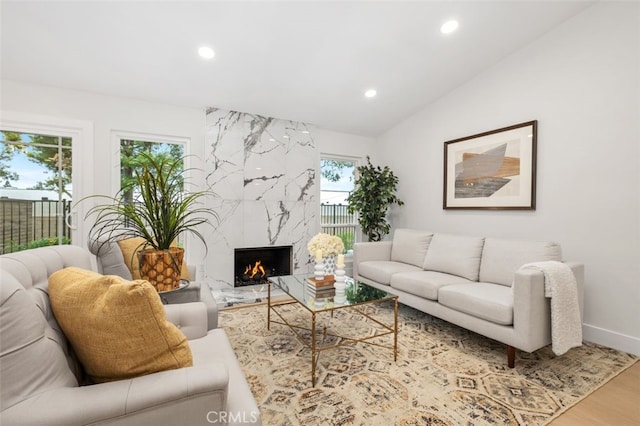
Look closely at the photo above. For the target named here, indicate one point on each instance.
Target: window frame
(81, 134)
(118, 135)
(356, 163)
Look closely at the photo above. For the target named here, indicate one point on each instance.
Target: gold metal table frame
(361, 295)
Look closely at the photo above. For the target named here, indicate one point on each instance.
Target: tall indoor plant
(372, 196)
(159, 212)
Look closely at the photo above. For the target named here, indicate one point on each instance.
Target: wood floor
(617, 403)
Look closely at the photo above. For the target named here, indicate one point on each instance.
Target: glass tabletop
(298, 287)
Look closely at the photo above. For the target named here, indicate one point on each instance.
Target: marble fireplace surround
(264, 173)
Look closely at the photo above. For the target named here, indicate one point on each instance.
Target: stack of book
(320, 289)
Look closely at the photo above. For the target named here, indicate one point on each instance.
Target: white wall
(580, 81)
(107, 113)
(343, 144)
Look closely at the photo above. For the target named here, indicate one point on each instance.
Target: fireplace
(255, 265)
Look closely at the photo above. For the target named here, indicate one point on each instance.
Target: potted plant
(155, 206)
(374, 193)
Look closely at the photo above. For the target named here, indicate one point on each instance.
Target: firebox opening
(256, 264)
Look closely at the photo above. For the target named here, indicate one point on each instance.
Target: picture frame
(494, 170)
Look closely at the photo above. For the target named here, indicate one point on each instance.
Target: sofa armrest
(183, 396)
(212, 306)
(362, 252)
(578, 272)
(531, 309)
(190, 318)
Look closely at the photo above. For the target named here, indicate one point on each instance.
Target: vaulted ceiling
(307, 61)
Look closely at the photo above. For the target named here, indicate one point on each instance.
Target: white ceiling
(306, 61)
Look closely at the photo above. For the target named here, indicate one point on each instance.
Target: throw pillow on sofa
(501, 258)
(118, 328)
(410, 246)
(455, 254)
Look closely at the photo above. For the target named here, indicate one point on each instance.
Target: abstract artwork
(492, 170)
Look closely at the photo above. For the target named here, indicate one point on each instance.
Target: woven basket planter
(162, 267)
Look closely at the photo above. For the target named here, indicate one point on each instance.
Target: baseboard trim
(611, 339)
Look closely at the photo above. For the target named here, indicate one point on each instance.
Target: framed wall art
(494, 170)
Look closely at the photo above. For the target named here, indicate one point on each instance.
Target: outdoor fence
(27, 223)
(336, 220)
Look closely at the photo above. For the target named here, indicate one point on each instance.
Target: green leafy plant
(374, 193)
(359, 294)
(161, 209)
(347, 239)
(44, 242)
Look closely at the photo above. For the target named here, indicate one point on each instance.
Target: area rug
(444, 375)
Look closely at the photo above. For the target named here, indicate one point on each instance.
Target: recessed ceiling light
(371, 93)
(449, 27)
(306, 132)
(206, 52)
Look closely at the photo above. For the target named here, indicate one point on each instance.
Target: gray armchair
(42, 381)
(111, 262)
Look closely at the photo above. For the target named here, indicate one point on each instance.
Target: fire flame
(251, 271)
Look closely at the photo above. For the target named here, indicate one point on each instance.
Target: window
(337, 180)
(131, 145)
(130, 151)
(36, 190)
(70, 145)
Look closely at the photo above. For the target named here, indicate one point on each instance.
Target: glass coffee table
(358, 295)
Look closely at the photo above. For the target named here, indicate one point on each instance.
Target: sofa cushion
(31, 359)
(491, 302)
(381, 271)
(410, 246)
(501, 258)
(110, 258)
(425, 283)
(118, 328)
(131, 247)
(454, 254)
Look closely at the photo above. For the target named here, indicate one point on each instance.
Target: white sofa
(473, 282)
(39, 374)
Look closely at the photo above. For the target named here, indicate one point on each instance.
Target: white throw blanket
(560, 285)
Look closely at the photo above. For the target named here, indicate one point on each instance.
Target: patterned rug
(444, 374)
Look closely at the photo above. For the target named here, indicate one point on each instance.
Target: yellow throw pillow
(130, 248)
(118, 328)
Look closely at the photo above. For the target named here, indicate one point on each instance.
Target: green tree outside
(6, 154)
(131, 159)
(42, 150)
(332, 169)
